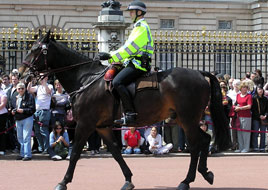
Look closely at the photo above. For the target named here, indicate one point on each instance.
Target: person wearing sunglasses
(59, 142)
(23, 114)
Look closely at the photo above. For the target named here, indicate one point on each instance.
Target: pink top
(2, 94)
(244, 101)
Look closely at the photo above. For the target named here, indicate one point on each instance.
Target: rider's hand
(102, 56)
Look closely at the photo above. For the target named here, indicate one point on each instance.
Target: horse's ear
(40, 34)
(47, 36)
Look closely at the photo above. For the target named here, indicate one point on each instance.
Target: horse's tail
(220, 122)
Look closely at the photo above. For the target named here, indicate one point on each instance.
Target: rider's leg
(122, 79)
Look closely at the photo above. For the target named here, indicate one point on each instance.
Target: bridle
(48, 71)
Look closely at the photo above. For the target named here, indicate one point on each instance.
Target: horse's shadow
(205, 188)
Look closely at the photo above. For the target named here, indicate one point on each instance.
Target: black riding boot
(129, 117)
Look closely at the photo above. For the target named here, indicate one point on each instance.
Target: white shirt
(42, 101)
(157, 141)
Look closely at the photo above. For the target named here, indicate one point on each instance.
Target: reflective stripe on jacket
(139, 41)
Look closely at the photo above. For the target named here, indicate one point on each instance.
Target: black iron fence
(227, 53)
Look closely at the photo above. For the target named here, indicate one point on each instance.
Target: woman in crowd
(259, 111)
(3, 119)
(23, 114)
(243, 106)
(59, 142)
(60, 101)
(155, 143)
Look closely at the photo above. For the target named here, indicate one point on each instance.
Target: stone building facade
(181, 15)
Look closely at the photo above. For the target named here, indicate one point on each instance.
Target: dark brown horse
(183, 93)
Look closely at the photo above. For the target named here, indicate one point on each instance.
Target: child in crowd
(132, 140)
(204, 126)
(155, 142)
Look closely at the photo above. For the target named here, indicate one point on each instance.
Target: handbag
(263, 121)
(61, 150)
(232, 112)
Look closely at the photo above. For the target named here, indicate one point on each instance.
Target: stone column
(111, 26)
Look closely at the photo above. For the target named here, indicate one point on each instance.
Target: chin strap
(142, 13)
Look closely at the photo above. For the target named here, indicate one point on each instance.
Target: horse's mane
(77, 54)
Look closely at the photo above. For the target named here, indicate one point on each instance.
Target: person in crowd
(259, 112)
(252, 75)
(259, 74)
(6, 83)
(155, 143)
(232, 94)
(171, 134)
(59, 143)
(42, 115)
(204, 126)
(23, 114)
(94, 143)
(243, 109)
(60, 101)
(209, 122)
(3, 120)
(135, 55)
(182, 141)
(12, 94)
(132, 140)
(230, 84)
(226, 100)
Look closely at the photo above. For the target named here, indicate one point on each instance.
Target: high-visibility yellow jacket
(139, 41)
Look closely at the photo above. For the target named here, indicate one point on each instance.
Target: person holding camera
(42, 115)
(23, 114)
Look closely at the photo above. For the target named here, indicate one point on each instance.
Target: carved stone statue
(112, 4)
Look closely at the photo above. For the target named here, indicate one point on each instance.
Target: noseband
(32, 66)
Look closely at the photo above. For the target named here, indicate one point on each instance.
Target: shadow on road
(205, 188)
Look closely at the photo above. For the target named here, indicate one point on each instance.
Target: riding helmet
(137, 5)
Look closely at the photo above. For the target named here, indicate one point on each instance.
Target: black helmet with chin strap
(138, 6)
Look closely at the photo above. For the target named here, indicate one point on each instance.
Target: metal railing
(225, 52)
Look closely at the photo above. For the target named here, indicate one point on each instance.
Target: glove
(103, 56)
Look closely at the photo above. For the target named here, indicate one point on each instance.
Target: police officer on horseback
(135, 55)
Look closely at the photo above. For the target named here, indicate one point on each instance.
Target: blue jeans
(132, 150)
(24, 131)
(256, 127)
(42, 132)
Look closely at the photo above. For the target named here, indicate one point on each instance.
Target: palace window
(167, 23)
(224, 25)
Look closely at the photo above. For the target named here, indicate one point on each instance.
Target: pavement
(105, 154)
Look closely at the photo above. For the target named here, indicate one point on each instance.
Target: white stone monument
(111, 26)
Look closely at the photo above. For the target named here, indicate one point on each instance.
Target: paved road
(152, 173)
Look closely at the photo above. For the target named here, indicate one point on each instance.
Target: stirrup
(127, 119)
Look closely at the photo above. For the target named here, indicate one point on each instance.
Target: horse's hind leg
(202, 166)
(108, 137)
(81, 137)
(194, 150)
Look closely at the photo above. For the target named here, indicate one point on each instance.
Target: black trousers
(122, 79)
(3, 119)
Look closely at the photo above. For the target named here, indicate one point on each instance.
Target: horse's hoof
(60, 187)
(210, 178)
(183, 186)
(128, 186)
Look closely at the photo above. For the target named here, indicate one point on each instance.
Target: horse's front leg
(108, 137)
(81, 136)
(202, 165)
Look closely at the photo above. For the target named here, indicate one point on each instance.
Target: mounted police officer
(135, 55)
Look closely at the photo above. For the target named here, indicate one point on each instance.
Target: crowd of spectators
(41, 111)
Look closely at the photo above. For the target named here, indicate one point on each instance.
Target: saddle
(147, 81)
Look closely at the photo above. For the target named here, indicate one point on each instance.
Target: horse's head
(37, 59)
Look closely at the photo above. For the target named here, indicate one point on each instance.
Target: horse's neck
(78, 76)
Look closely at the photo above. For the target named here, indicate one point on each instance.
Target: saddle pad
(147, 82)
